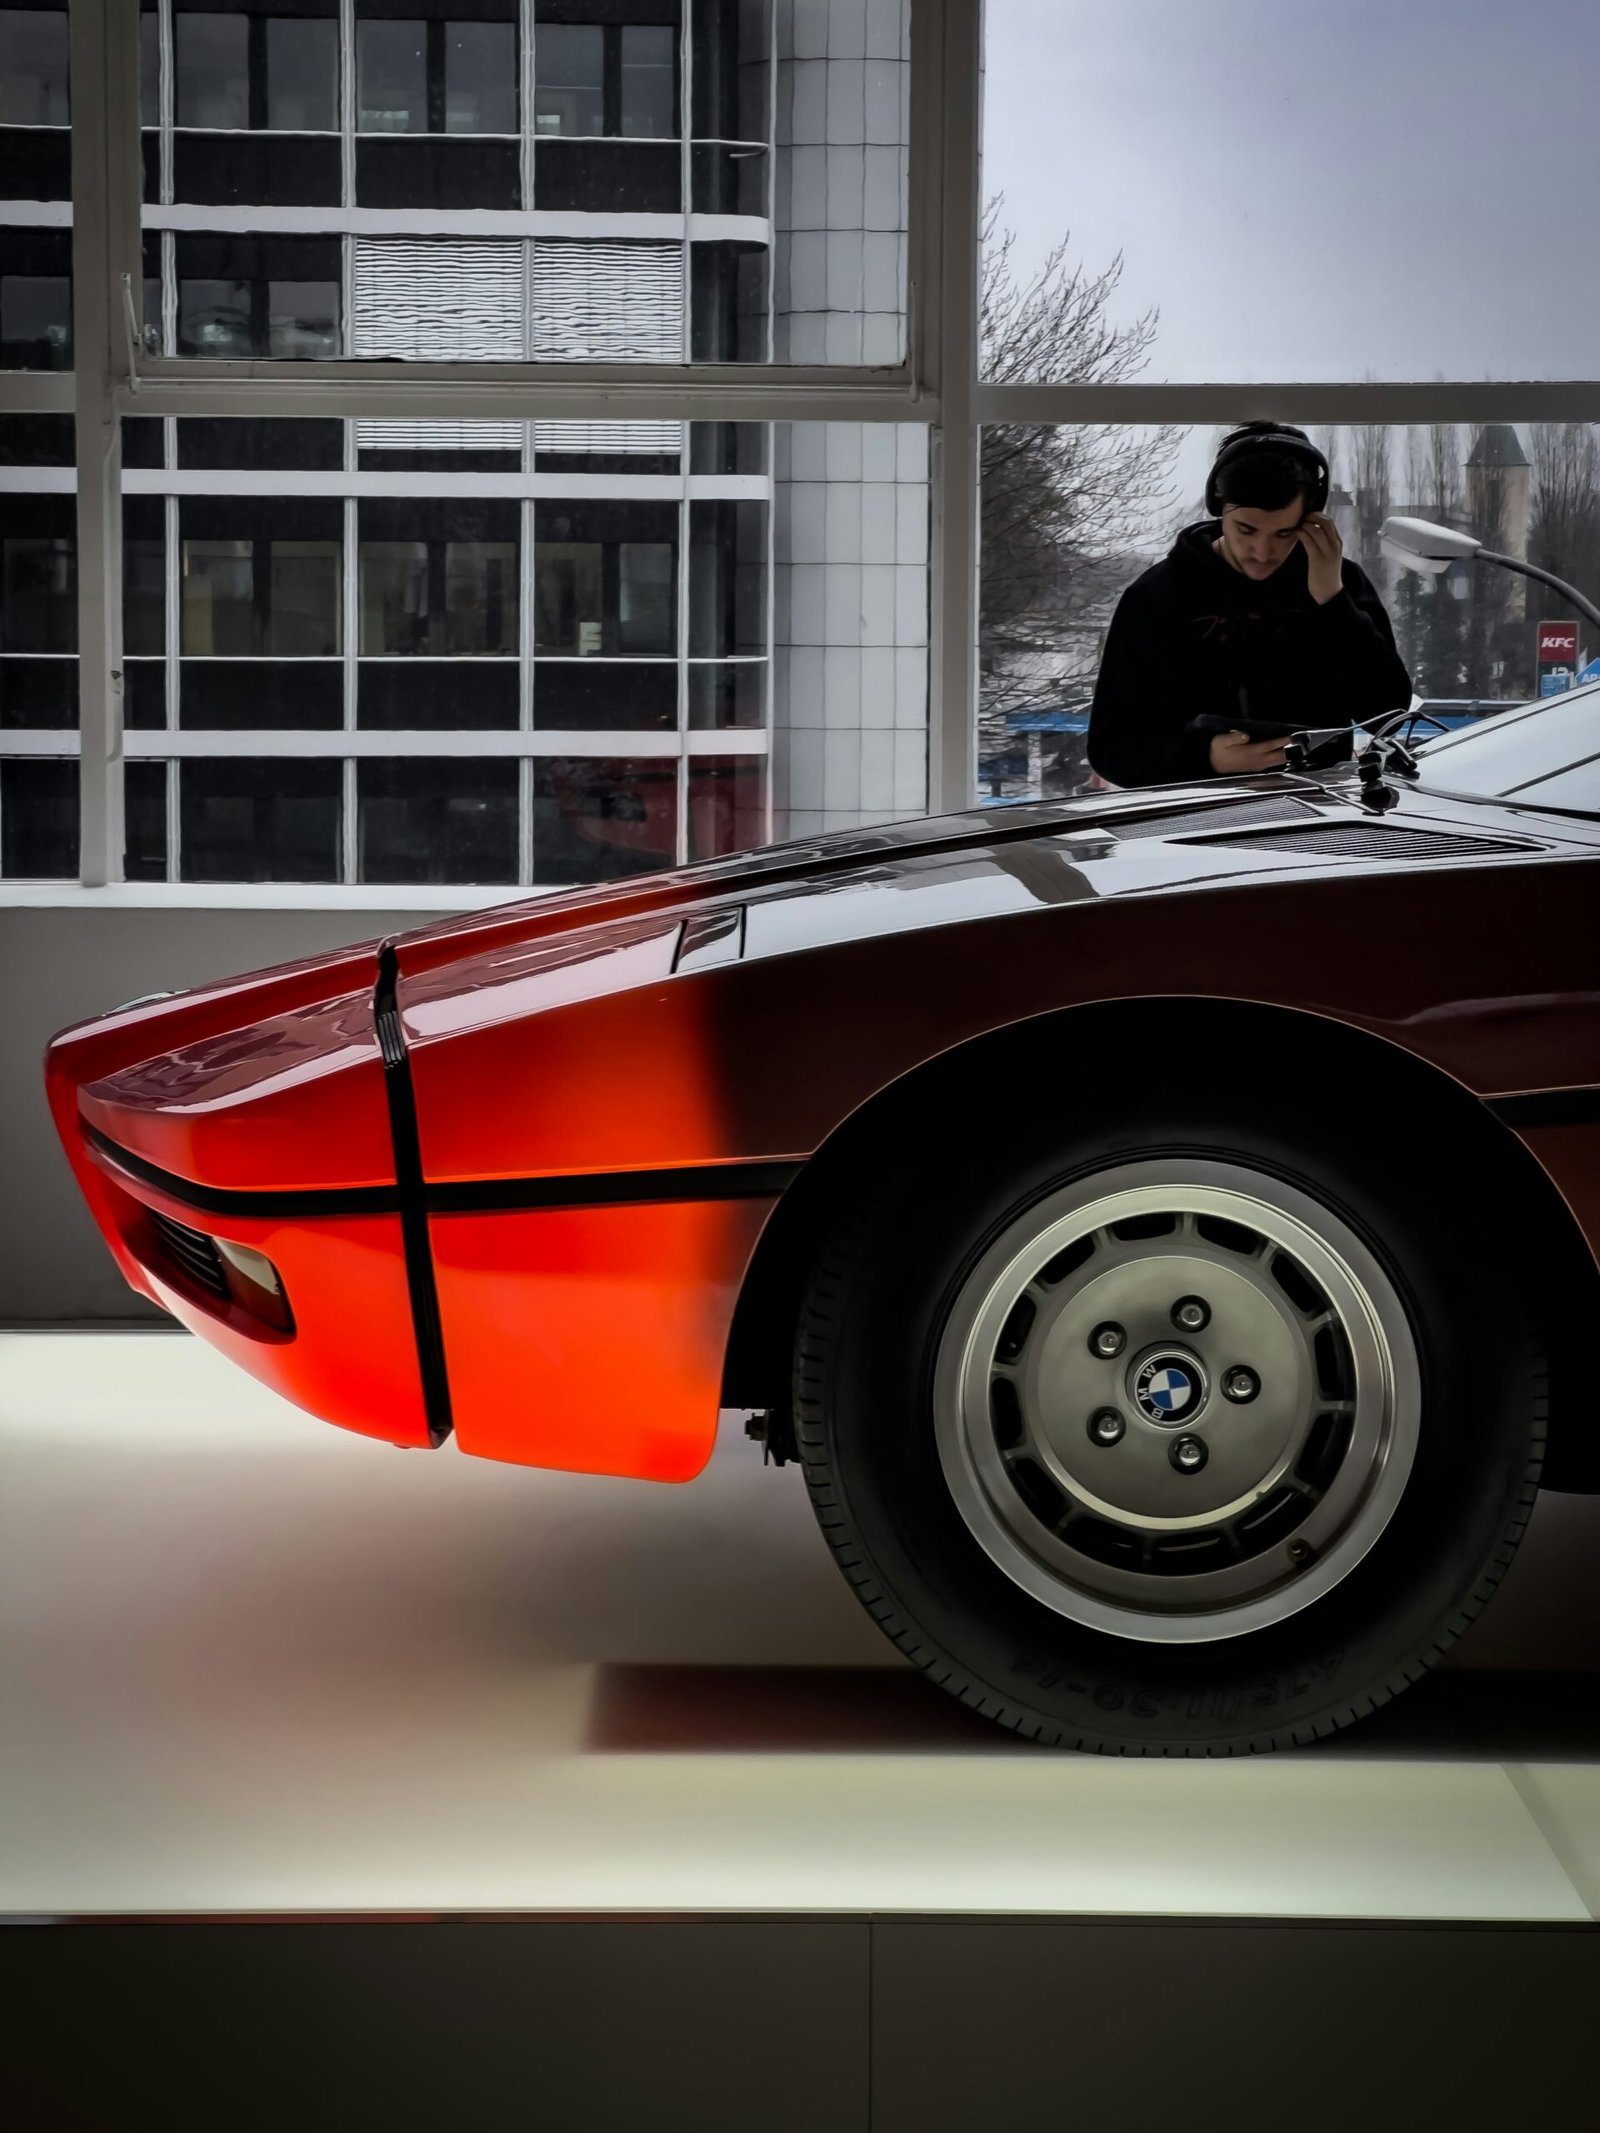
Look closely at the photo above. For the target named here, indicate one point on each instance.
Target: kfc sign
(1558, 644)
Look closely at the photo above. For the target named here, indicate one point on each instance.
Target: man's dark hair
(1270, 477)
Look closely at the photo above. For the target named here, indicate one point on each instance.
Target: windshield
(1545, 754)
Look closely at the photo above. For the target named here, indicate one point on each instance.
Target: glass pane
(38, 694)
(480, 77)
(649, 104)
(144, 590)
(243, 597)
(596, 817)
(569, 79)
(145, 822)
(726, 805)
(727, 578)
(302, 75)
(33, 67)
(434, 819)
(1310, 193)
(438, 695)
(39, 819)
(260, 695)
(302, 319)
(645, 617)
(35, 321)
(480, 594)
(302, 619)
(628, 696)
(38, 593)
(392, 77)
(260, 819)
(219, 597)
(731, 693)
(1072, 518)
(213, 70)
(214, 319)
(394, 596)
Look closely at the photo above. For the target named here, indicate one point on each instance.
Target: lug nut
(1191, 1313)
(1188, 1455)
(1240, 1383)
(1106, 1426)
(1108, 1340)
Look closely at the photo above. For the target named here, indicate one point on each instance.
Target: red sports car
(1162, 1225)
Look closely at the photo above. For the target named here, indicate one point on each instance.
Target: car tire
(1067, 1586)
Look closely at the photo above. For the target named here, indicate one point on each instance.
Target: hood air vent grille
(1224, 816)
(1360, 840)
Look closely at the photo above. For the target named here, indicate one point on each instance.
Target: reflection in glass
(213, 70)
(569, 606)
(392, 77)
(144, 593)
(444, 597)
(246, 819)
(649, 107)
(302, 319)
(726, 813)
(602, 695)
(33, 67)
(728, 693)
(302, 75)
(38, 593)
(596, 817)
(35, 321)
(644, 609)
(436, 819)
(480, 78)
(214, 318)
(569, 86)
(145, 821)
(39, 819)
(271, 598)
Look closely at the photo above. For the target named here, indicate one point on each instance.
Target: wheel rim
(1072, 1457)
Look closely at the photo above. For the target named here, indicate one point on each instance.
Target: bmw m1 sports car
(1162, 1225)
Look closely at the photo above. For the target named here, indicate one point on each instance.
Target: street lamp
(1419, 545)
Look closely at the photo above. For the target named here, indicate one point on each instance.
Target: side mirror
(1319, 748)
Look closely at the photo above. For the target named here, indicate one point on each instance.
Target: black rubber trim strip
(413, 1199)
(600, 1188)
(615, 1188)
(222, 1200)
(1549, 1107)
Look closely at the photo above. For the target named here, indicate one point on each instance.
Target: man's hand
(1319, 537)
(1235, 755)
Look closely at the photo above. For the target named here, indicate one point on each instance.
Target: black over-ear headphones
(1240, 443)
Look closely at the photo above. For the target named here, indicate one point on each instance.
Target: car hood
(988, 860)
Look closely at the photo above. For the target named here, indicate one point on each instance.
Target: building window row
(554, 820)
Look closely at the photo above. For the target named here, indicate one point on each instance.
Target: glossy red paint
(592, 1338)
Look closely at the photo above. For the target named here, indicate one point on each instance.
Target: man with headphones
(1255, 624)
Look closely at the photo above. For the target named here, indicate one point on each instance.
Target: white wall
(66, 961)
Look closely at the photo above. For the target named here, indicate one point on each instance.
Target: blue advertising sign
(1556, 682)
(1586, 674)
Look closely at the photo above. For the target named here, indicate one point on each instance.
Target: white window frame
(937, 385)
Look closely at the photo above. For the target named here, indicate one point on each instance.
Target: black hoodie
(1194, 637)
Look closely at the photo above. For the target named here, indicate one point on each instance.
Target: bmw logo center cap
(1169, 1388)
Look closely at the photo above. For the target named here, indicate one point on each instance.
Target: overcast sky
(1314, 188)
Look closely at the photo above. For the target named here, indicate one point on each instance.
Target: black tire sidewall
(869, 1336)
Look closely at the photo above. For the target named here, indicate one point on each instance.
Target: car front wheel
(1172, 1437)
